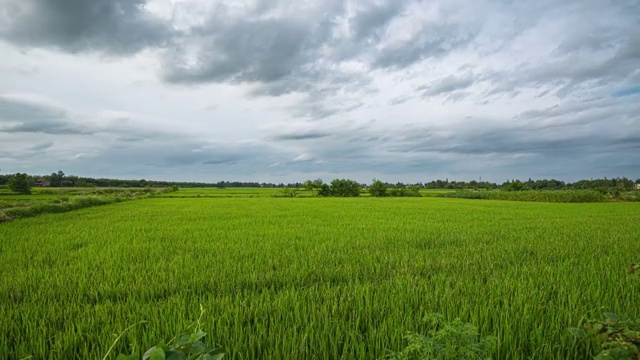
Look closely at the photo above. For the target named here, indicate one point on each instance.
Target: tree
(345, 188)
(19, 183)
(515, 185)
(56, 178)
(413, 190)
(308, 185)
(397, 191)
(289, 192)
(324, 190)
(378, 188)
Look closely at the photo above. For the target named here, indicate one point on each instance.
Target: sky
(275, 90)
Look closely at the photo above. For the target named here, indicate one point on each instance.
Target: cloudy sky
(275, 90)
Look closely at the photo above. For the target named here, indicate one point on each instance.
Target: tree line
(21, 183)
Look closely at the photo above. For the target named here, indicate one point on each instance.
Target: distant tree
(378, 188)
(345, 188)
(324, 190)
(56, 178)
(397, 191)
(19, 183)
(312, 185)
(289, 192)
(515, 185)
(413, 190)
(308, 185)
(318, 183)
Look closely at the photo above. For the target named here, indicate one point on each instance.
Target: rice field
(313, 278)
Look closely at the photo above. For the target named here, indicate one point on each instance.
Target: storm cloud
(109, 26)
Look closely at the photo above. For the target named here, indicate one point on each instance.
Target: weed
(617, 337)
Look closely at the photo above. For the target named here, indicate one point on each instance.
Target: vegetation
(314, 278)
(378, 188)
(70, 200)
(446, 341)
(344, 188)
(19, 183)
(604, 185)
(189, 346)
(617, 337)
(567, 196)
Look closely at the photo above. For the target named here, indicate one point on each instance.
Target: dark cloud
(433, 40)
(41, 147)
(219, 161)
(371, 19)
(21, 115)
(303, 135)
(110, 26)
(449, 84)
(251, 47)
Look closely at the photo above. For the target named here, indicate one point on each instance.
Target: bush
(397, 191)
(560, 196)
(378, 188)
(19, 213)
(19, 183)
(446, 340)
(617, 337)
(57, 206)
(345, 188)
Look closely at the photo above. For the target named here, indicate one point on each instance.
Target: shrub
(19, 213)
(445, 340)
(378, 188)
(187, 346)
(616, 337)
(19, 183)
(561, 196)
(345, 188)
(397, 191)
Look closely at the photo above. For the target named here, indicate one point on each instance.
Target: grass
(562, 196)
(65, 200)
(314, 278)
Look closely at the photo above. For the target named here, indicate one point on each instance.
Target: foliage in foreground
(189, 346)
(446, 340)
(617, 337)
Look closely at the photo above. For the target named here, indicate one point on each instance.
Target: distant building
(637, 186)
(66, 183)
(43, 183)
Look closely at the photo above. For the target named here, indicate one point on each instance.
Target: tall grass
(559, 196)
(316, 278)
(64, 203)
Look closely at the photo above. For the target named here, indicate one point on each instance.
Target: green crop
(314, 278)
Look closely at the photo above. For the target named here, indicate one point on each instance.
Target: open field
(318, 278)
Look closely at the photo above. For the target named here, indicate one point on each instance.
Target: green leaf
(133, 356)
(155, 353)
(211, 357)
(176, 355)
(610, 316)
(578, 332)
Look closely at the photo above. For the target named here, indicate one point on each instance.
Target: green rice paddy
(313, 278)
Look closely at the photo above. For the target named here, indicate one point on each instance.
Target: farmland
(313, 278)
